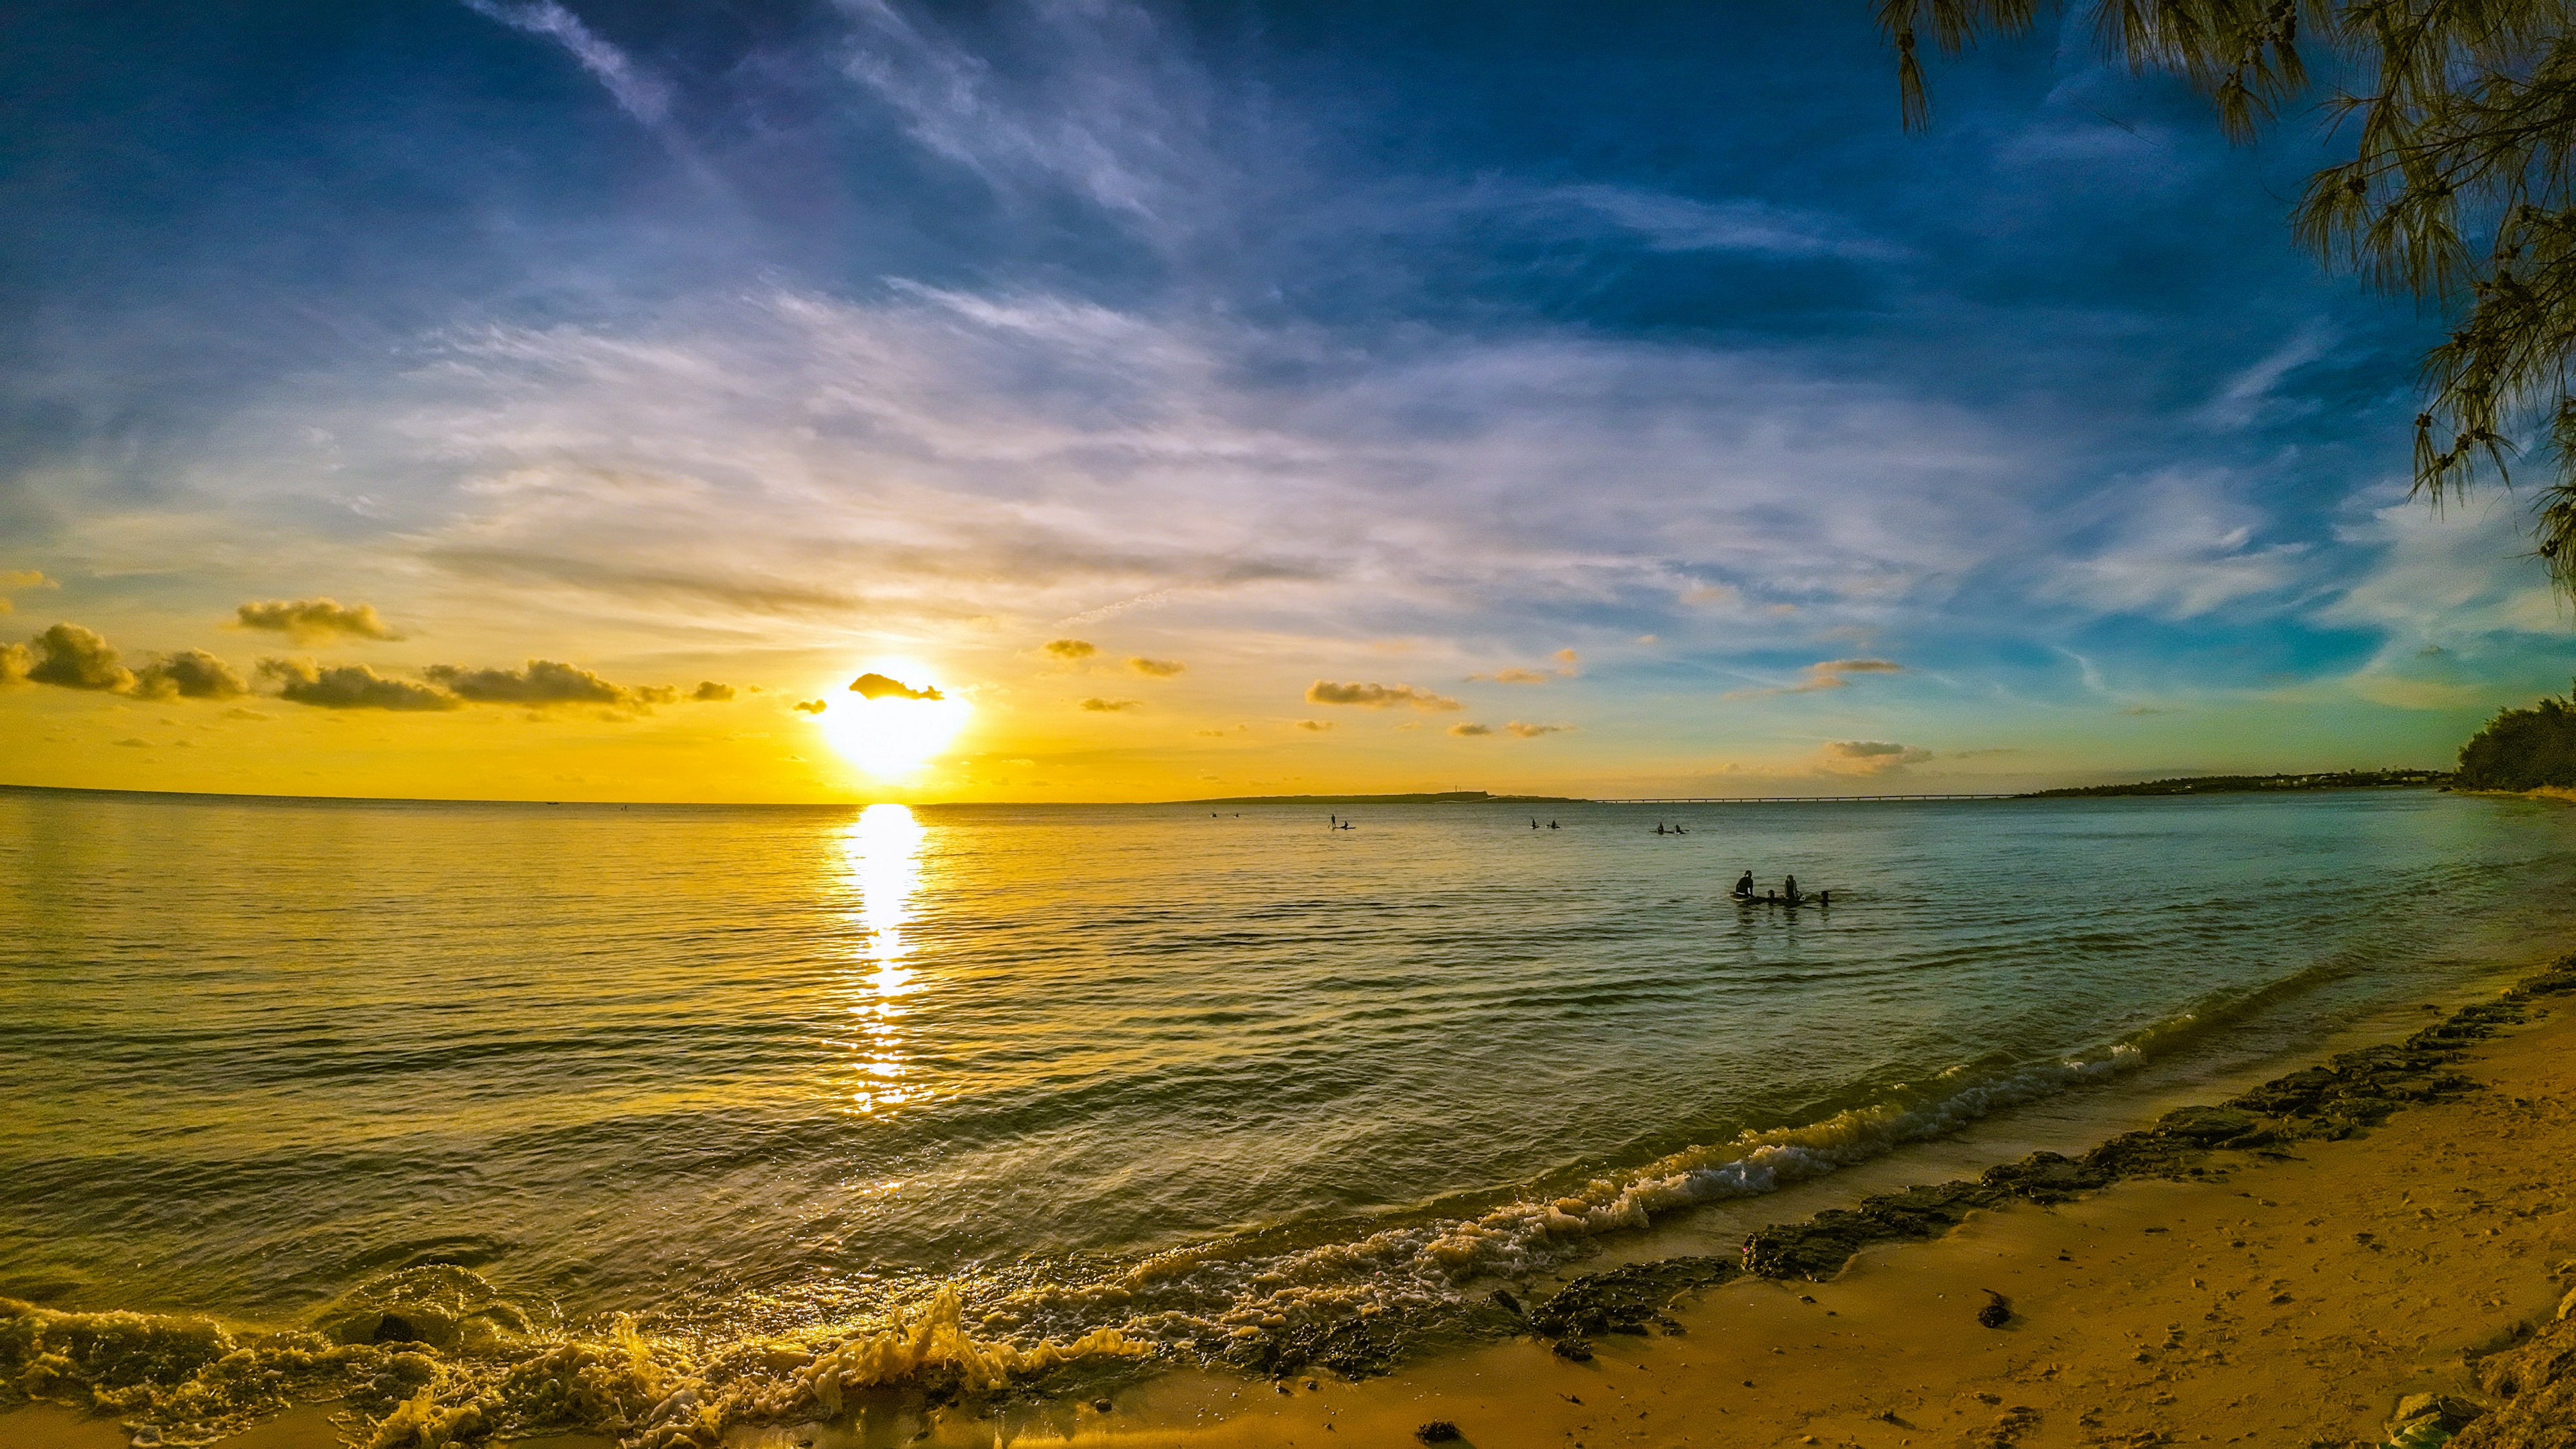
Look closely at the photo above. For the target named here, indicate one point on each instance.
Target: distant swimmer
(1533, 822)
(1789, 890)
(1744, 886)
(1551, 825)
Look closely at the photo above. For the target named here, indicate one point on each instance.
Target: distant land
(2227, 784)
(1442, 797)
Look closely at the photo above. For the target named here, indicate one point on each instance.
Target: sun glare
(893, 736)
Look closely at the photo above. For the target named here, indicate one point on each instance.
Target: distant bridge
(1788, 799)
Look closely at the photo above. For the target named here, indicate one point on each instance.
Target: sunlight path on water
(883, 849)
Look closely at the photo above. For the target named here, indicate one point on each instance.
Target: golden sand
(2281, 1302)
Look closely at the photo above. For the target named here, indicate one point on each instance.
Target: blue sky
(1403, 344)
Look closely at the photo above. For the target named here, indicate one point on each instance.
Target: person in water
(1744, 886)
(1789, 890)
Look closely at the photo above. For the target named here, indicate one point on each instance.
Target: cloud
(1111, 706)
(1871, 757)
(543, 682)
(1072, 648)
(809, 706)
(1470, 730)
(132, 743)
(640, 94)
(2183, 547)
(1824, 674)
(315, 621)
(710, 692)
(1158, 668)
(240, 713)
(22, 579)
(1311, 726)
(1568, 666)
(1378, 696)
(71, 657)
(1664, 222)
(877, 686)
(1520, 731)
(351, 686)
(189, 674)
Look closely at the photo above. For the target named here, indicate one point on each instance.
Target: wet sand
(2288, 1299)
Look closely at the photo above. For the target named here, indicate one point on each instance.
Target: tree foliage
(2462, 119)
(2523, 749)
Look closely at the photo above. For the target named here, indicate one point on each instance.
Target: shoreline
(1621, 1312)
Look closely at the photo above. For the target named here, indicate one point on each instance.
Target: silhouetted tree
(2462, 115)
(2522, 749)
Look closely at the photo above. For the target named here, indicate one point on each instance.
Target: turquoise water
(1199, 1078)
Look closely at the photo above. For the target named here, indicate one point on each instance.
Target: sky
(576, 399)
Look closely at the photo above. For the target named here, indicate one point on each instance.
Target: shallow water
(1200, 1078)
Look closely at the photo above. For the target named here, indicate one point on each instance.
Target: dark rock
(1504, 1297)
(1438, 1431)
(1997, 1311)
(1572, 1348)
(1352, 1347)
(394, 1328)
(1626, 1299)
(1101, 1404)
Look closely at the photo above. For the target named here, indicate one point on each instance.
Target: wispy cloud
(1822, 675)
(1665, 222)
(641, 94)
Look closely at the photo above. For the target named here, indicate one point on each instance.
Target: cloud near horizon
(351, 686)
(878, 686)
(1156, 668)
(1112, 706)
(1870, 757)
(314, 621)
(1378, 696)
(542, 683)
(189, 674)
(1072, 648)
(68, 656)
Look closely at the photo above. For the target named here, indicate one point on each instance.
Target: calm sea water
(1199, 1077)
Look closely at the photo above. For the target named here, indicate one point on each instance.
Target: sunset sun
(887, 727)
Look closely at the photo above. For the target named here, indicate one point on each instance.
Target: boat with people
(1786, 894)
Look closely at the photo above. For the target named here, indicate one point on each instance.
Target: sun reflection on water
(881, 861)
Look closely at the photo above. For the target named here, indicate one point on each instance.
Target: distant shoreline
(2180, 785)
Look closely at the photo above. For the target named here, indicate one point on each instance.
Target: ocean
(1158, 1084)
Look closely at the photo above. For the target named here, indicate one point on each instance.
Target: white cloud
(2181, 547)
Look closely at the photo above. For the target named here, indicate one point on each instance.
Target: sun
(891, 735)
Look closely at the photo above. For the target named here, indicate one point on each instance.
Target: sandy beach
(2290, 1289)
